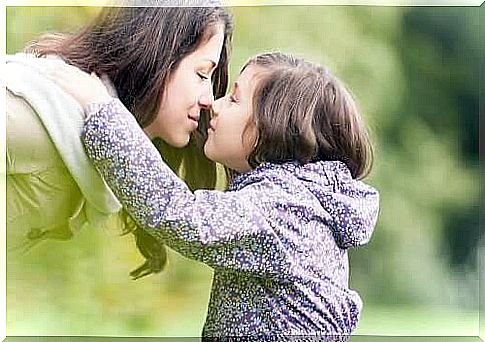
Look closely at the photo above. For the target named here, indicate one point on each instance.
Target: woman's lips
(194, 120)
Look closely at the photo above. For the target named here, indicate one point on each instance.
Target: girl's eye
(232, 99)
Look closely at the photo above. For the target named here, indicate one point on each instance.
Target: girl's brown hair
(302, 112)
(138, 48)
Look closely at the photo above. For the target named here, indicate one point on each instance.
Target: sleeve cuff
(95, 107)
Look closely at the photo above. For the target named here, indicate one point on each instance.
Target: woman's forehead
(210, 49)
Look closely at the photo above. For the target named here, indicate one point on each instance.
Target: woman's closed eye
(203, 77)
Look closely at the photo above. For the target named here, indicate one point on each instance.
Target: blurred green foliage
(414, 72)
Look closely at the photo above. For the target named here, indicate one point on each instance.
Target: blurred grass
(405, 320)
(98, 298)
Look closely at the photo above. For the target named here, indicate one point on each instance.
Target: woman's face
(188, 90)
(228, 141)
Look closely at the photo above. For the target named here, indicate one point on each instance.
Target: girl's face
(189, 90)
(228, 143)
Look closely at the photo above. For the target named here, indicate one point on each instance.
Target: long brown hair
(138, 48)
(302, 112)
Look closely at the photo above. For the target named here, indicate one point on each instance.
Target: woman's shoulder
(29, 146)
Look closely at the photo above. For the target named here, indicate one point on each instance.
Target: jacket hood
(352, 205)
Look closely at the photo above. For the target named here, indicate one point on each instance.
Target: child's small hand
(80, 85)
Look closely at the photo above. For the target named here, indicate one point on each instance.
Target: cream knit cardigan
(63, 119)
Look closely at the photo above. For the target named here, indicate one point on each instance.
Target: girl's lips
(211, 126)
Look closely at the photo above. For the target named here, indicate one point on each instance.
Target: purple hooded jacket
(277, 239)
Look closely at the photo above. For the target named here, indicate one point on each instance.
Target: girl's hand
(83, 87)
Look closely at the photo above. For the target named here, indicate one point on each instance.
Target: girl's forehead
(247, 78)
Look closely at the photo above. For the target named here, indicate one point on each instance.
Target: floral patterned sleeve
(221, 229)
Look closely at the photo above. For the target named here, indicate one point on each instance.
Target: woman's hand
(83, 87)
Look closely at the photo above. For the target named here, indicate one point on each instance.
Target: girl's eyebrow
(235, 89)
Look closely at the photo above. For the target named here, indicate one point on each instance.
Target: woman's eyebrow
(210, 62)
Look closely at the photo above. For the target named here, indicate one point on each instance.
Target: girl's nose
(206, 98)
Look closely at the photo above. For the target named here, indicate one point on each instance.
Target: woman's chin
(178, 142)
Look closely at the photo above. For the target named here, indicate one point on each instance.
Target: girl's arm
(221, 229)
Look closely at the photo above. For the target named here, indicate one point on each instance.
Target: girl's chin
(209, 152)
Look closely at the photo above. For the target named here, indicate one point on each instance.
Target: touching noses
(206, 98)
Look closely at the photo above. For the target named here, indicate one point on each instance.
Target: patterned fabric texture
(277, 239)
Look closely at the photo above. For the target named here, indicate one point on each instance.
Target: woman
(161, 61)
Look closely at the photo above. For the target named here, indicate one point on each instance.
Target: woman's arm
(222, 229)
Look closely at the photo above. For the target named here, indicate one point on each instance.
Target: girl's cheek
(249, 139)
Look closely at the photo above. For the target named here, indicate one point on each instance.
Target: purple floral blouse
(277, 239)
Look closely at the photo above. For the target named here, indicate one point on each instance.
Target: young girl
(278, 237)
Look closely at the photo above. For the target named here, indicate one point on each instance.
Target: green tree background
(415, 74)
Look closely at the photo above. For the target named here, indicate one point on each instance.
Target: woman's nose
(206, 98)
